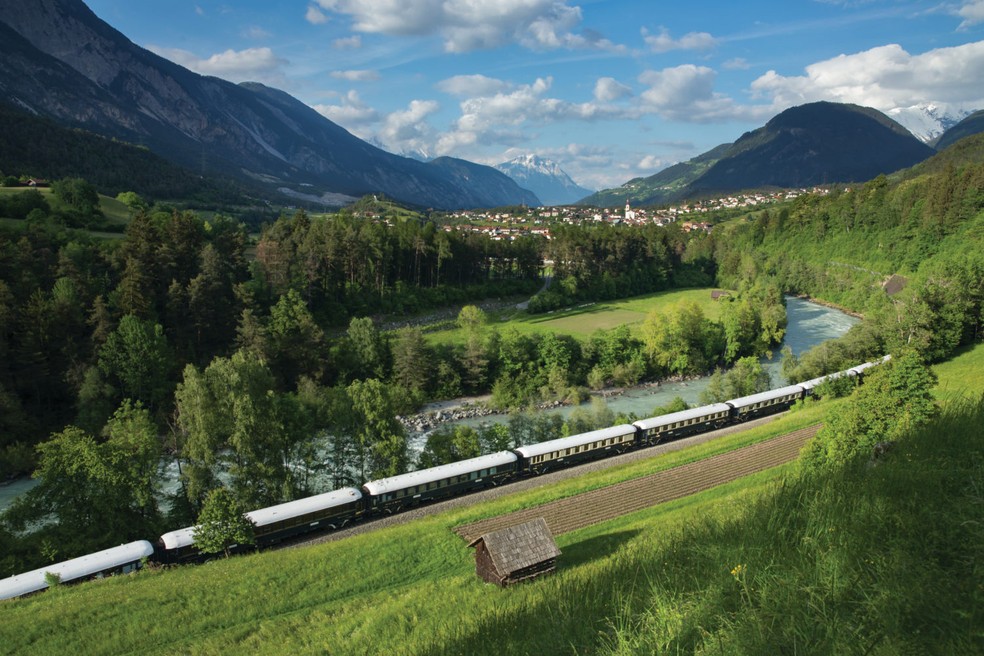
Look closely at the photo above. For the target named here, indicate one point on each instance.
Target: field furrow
(572, 513)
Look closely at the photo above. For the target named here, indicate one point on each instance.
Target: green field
(116, 213)
(584, 320)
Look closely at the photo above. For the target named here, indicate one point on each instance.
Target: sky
(609, 89)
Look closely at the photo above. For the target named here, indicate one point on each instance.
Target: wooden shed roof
(520, 546)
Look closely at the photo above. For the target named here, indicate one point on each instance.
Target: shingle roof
(520, 546)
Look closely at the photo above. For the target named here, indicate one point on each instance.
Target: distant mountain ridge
(928, 121)
(971, 125)
(57, 59)
(813, 144)
(545, 178)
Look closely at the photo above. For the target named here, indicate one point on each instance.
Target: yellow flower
(738, 571)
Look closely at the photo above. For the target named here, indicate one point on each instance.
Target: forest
(261, 367)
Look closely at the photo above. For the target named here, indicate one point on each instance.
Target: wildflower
(738, 571)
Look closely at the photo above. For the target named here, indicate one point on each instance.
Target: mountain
(664, 187)
(928, 121)
(813, 144)
(545, 178)
(59, 60)
(486, 177)
(973, 124)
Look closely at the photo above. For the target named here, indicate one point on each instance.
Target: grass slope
(880, 560)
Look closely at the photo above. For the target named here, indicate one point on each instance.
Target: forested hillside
(907, 252)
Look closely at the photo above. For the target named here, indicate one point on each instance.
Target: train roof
(866, 365)
(77, 568)
(814, 382)
(304, 506)
(542, 448)
(433, 474)
(682, 415)
(761, 397)
(184, 537)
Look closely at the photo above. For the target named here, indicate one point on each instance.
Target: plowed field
(588, 508)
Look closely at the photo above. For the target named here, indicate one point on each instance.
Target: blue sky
(610, 89)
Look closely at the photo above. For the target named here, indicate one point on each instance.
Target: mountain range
(545, 178)
(812, 144)
(59, 60)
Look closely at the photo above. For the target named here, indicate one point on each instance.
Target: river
(809, 324)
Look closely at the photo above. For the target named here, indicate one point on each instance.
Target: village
(510, 225)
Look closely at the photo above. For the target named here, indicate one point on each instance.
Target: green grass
(962, 376)
(884, 558)
(584, 320)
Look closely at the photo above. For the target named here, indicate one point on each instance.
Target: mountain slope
(664, 187)
(812, 144)
(928, 121)
(545, 178)
(69, 65)
(973, 124)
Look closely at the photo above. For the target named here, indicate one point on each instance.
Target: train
(338, 508)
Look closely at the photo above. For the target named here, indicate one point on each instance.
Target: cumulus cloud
(315, 16)
(972, 13)
(686, 93)
(407, 130)
(471, 85)
(884, 78)
(352, 113)
(608, 89)
(356, 76)
(252, 64)
(663, 42)
(467, 25)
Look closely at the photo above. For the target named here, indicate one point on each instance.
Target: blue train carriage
(539, 458)
(330, 510)
(406, 490)
(677, 424)
(862, 368)
(116, 560)
(765, 403)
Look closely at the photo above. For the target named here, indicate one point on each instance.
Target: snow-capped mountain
(927, 121)
(545, 178)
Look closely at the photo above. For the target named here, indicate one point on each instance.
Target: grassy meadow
(583, 320)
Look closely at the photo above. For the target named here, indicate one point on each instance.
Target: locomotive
(335, 509)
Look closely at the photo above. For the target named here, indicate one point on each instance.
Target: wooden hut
(516, 553)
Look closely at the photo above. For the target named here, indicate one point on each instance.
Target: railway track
(587, 508)
(530, 483)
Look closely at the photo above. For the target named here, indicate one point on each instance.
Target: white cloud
(252, 64)
(608, 89)
(652, 163)
(356, 76)
(407, 130)
(350, 43)
(315, 16)
(352, 114)
(972, 13)
(736, 64)
(471, 85)
(663, 42)
(686, 93)
(467, 25)
(884, 78)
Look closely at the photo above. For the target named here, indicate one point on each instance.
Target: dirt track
(790, 452)
(588, 508)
